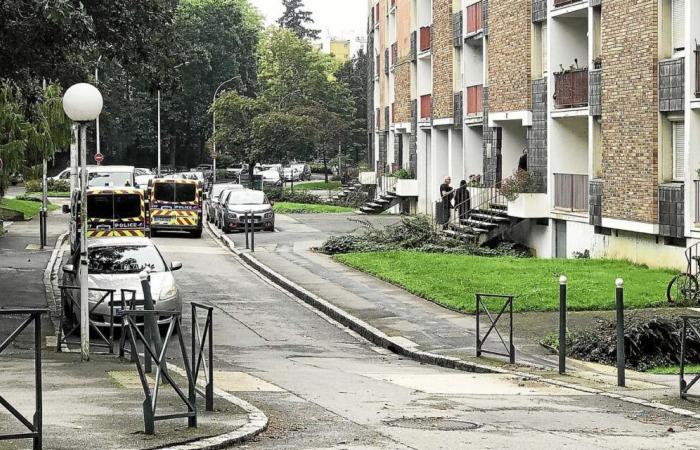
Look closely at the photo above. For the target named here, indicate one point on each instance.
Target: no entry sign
(99, 157)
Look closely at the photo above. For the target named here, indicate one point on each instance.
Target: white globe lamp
(82, 102)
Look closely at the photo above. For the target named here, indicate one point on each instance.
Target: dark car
(213, 198)
(242, 201)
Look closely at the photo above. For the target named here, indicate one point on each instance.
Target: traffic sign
(99, 157)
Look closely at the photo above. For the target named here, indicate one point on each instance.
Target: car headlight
(268, 215)
(168, 292)
(232, 216)
(96, 296)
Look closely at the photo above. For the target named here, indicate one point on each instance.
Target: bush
(403, 174)
(279, 194)
(522, 182)
(33, 186)
(52, 185)
(318, 168)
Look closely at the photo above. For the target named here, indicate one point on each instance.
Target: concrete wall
(569, 145)
(639, 249)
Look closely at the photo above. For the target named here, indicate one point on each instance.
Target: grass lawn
(452, 280)
(316, 186)
(674, 370)
(58, 194)
(27, 207)
(305, 208)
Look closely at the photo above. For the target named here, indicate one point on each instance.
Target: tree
(354, 74)
(14, 131)
(296, 19)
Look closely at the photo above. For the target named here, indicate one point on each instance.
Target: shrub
(522, 182)
(403, 174)
(318, 168)
(279, 194)
(33, 185)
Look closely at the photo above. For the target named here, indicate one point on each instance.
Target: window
(474, 18)
(678, 151)
(678, 24)
(545, 52)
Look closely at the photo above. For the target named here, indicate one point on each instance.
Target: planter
(529, 206)
(368, 178)
(407, 188)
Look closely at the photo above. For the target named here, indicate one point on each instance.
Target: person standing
(446, 196)
(463, 200)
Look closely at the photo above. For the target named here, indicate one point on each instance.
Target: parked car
(272, 177)
(292, 174)
(115, 263)
(111, 176)
(214, 195)
(16, 178)
(304, 171)
(240, 201)
(142, 181)
(219, 205)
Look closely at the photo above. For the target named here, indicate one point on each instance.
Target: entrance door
(560, 239)
(499, 155)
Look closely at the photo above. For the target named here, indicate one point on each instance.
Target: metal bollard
(252, 232)
(562, 324)
(619, 307)
(245, 226)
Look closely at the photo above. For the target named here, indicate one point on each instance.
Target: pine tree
(296, 19)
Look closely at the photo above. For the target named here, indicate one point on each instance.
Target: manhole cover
(434, 423)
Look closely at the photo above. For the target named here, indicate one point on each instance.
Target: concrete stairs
(481, 225)
(380, 204)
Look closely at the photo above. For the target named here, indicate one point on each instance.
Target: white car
(115, 263)
(292, 174)
(271, 177)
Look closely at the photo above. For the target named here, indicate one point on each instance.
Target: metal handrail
(697, 70)
(199, 340)
(35, 426)
(106, 342)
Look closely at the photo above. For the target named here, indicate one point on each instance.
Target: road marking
(242, 382)
(128, 379)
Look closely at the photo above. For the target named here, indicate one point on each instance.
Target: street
(324, 387)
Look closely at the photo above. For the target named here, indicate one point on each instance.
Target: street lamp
(186, 63)
(213, 136)
(82, 103)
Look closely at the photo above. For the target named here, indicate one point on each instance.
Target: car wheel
(154, 233)
(196, 234)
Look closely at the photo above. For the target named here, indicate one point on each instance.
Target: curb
(378, 337)
(257, 420)
(50, 274)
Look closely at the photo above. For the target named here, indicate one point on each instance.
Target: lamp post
(213, 135)
(82, 103)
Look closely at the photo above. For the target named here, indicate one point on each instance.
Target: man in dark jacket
(446, 195)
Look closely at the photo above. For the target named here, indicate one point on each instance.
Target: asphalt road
(324, 387)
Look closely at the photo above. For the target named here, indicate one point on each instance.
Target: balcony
(571, 192)
(475, 100)
(571, 89)
(697, 71)
(424, 39)
(672, 85)
(426, 106)
(474, 18)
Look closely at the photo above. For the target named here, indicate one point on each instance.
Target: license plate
(162, 220)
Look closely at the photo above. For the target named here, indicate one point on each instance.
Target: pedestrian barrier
(107, 342)
(685, 385)
(249, 224)
(150, 404)
(34, 426)
(199, 361)
(132, 302)
(507, 305)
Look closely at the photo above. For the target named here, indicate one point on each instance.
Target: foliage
(282, 195)
(403, 174)
(296, 19)
(522, 182)
(648, 343)
(319, 168)
(305, 208)
(317, 186)
(51, 185)
(14, 132)
(354, 73)
(453, 279)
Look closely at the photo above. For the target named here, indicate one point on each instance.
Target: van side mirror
(68, 268)
(175, 265)
(65, 209)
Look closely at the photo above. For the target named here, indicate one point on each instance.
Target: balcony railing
(475, 98)
(571, 88)
(474, 18)
(425, 106)
(697, 71)
(424, 39)
(571, 192)
(394, 53)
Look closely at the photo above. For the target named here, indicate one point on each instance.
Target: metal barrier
(35, 426)
(507, 305)
(249, 226)
(132, 306)
(62, 337)
(199, 340)
(685, 385)
(150, 404)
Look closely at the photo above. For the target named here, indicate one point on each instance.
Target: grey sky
(335, 18)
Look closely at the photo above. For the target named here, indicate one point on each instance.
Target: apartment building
(602, 95)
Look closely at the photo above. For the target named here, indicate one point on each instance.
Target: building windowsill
(424, 54)
(574, 216)
(695, 103)
(571, 8)
(474, 35)
(474, 120)
(570, 112)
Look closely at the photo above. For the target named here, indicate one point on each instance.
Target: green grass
(452, 280)
(58, 194)
(316, 186)
(674, 370)
(305, 208)
(27, 207)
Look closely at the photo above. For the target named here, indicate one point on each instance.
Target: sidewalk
(418, 327)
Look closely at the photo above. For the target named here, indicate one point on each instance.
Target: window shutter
(545, 54)
(678, 24)
(678, 151)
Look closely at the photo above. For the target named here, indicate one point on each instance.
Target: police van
(175, 204)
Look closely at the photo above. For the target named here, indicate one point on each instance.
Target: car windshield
(175, 192)
(218, 189)
(247, 198)
(101, 179)
(125, 259)
(114, 206)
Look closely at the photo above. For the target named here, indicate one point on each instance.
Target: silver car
(242, 201)
(214, 195)
(115, 263)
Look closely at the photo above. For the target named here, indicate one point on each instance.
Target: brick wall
(510, 23)
(443, 56)
(402, 73)
(630, 140)
(383, 77)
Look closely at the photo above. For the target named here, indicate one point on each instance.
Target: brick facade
(382, 35)
(443, 58)
(402, 71)
(630, 141)
(509, 72)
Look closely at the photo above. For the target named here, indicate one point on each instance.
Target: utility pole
(44, 193)
(158, 171)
